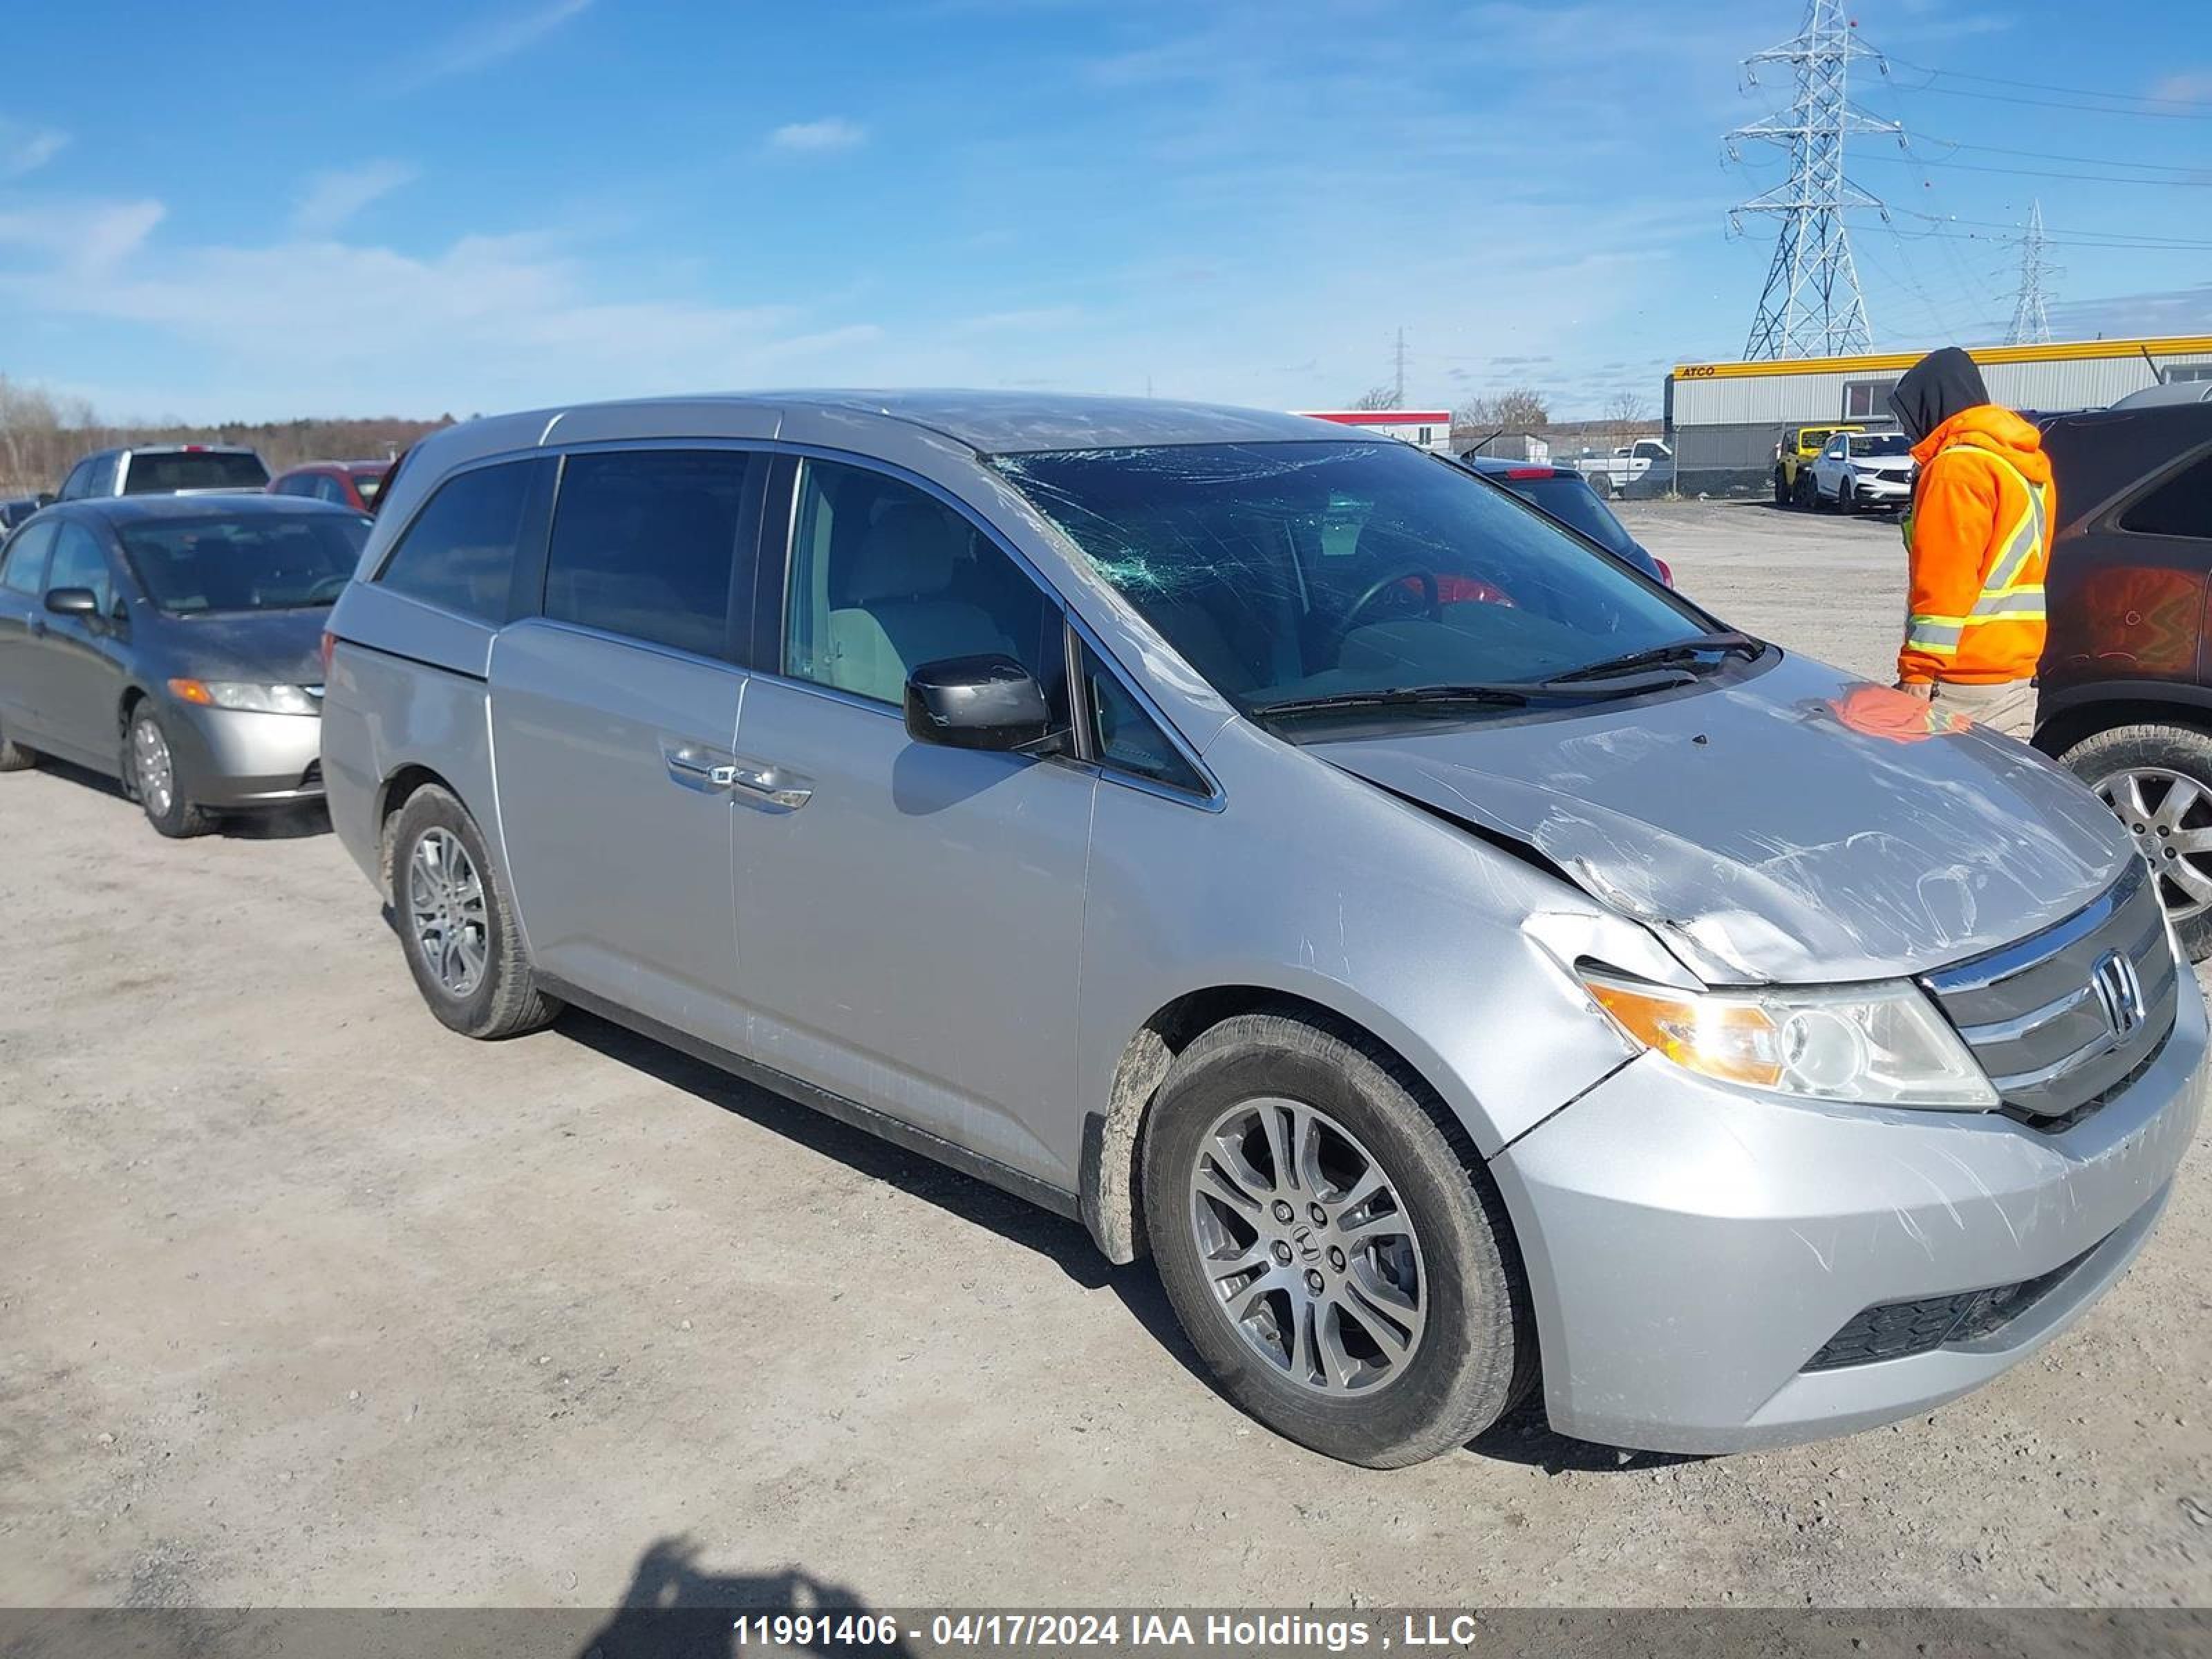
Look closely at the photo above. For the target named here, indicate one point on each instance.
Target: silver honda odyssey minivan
(1456, 959)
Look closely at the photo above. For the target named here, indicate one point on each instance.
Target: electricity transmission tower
(2030, 326)
(1811, 306)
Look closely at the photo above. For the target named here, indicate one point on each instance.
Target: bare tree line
(43, 433)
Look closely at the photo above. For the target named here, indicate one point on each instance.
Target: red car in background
(350, 483)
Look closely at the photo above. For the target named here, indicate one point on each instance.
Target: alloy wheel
(1310, 1255)
(151, 765)
(2170, 815)
(445, 909)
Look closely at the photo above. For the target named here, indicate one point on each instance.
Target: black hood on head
(1936, 388)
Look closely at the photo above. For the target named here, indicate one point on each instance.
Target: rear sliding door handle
(763, 785)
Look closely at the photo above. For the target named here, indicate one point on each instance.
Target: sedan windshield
(246, 562)
(1290, 572)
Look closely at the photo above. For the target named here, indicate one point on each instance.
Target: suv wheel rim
(1311, 1256)
(157, 772)
(446, 907)
(2170, 816)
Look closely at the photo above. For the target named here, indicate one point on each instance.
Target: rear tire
(14, 757)
(149, 777)
(1847, 501)
(1433, 1239)
(457, 922)
(2165, 763)
(1781, 488)
(1806, 495)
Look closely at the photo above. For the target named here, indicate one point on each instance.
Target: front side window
(459, 554)
(645, 544)
(80, 562)
(885, 578)
(25, 568)
(1126, 738)
(1285, 571)
(244, 561)
(2182, 506)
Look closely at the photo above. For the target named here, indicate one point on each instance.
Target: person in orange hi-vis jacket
(1978, 535)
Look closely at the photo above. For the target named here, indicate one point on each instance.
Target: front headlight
(246, 697)
(1873, 1045)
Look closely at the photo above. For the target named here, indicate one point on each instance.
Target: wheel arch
(1113, 1138)
(2123, 703)
(394, 793)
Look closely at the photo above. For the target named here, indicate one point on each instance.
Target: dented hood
(1793, 825)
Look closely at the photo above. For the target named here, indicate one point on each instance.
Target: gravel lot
(303, 1300)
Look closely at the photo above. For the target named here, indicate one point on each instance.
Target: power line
(2056, 103)
(2199, 170)
(2045, 86)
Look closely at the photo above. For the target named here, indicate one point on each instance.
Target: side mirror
(988, 701)
(48, 498)
(73, 602)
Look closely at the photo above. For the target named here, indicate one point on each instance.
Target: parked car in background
(1612, 474)
(2125, 685)
(165, 469)
(15, 509)
(1568, 496)
(2170, 392)
(172, 643)
(344, 483)
(1794, 454)
(1857, 469)
(1119, 811)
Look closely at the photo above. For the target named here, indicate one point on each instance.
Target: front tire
(2159, 780)
(149, 776)
(1806, 493)
(1781, 488)
(14, 757)
(457, 922)
(1847, 500)
(1332, 1244)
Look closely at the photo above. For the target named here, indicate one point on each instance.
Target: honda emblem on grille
(2119, 993)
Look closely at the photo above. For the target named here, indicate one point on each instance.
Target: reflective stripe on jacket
(1979, 533)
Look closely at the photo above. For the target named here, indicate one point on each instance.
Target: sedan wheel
(149, 770)
(445, 909)
(1310, 1255)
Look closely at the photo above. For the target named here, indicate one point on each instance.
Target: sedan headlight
(246, 697)
(1872, 1045)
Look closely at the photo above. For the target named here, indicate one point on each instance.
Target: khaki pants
(2009, 707)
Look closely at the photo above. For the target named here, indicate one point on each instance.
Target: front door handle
(768, 786)
(694, 768)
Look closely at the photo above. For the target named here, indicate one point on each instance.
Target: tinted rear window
(160, 474)
(245, 561)
(645, 544)
(459, 554)
(1575, 504)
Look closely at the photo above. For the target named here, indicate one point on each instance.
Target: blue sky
(248, 211)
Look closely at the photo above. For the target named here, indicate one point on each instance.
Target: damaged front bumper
(1716, 1271)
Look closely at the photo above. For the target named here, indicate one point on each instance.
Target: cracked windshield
(1309, 575)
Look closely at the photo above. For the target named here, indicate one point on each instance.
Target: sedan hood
(268, 647)
(1793, 826)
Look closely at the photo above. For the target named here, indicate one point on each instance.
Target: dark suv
(2126, 682)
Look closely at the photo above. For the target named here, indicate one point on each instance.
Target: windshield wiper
(1681, 652)
(1504, 693)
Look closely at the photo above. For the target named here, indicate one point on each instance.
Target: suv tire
(1781, 488)
(1430, 1220)
(455, 916)
(14, 757)
(2158, 757)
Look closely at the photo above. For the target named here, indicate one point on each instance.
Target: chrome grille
(2059, 1019)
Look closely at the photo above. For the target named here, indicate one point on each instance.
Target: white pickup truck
(1610, 475)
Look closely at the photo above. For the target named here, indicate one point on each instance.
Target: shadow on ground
(675, 1610)
(299, 822)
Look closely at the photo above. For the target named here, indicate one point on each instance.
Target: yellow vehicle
(1794, 452)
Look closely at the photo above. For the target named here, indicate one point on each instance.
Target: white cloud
(80, 239)
(2190, 86)
(26, 149)
(831, 133)
(472, 49)
(331, 198)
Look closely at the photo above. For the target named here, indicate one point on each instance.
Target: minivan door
(613, 715)
(909, 917)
